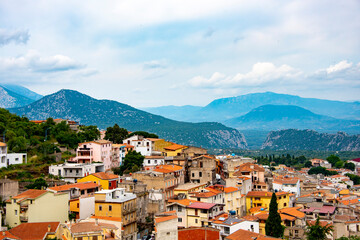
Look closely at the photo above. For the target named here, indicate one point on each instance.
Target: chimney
(49, 228)
(96, 222)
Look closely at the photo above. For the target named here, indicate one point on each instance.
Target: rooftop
(81, 186)
(201, 205)
(32, 231)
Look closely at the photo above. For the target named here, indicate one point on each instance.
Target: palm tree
(318, 231)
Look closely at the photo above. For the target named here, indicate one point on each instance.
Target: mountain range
(69, 104)
(16, 96)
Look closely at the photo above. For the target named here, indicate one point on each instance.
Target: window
(203, 211)
(14, 200)
(31, 201)
(79, 238)
(284, 204)
(179, 209)
(110, 207)
(77, 205)
(201, 164)
(100, 208)
(193, 174)
(16, 159)
(16, 212)
(257, 198)
(226, 230)
(179, 219)
(95, 238)
(148, 161)
(196, 221)
(200, 174)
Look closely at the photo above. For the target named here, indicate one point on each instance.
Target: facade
(71, 172)
(76, 190)
(150, 162)
(174, 150)
(187, 188)
(199, 214)
(99, 151)
(105, 180)
(287, 184)
(37, 206)
(142, 145)
(8, 188)
(234, 201)
(119, 204)
(88, 231)
(166, 226)
(82, 207)
(255, 172)
(203, 170)
(262, 199)
(7, 159)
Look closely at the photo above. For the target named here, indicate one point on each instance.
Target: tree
(318, 231)
(89, 133)
(144, 134)
(350, 166)
(273, 225)
(133, 162)
(333, 159)
(308, 164)
(349, 238)
(339, 164)
(116, 134)
(39, 183)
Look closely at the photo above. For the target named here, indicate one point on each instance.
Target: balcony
(24, 218)
(127, 211)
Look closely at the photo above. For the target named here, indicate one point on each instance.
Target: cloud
(262, 73)
(343, 65)
(343, 72)
(155, 64)
(17, 36)
(34, 62)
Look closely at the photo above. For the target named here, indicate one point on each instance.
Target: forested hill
(69, 104)
(293, 139)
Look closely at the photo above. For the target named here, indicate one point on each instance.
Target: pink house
(95, 151)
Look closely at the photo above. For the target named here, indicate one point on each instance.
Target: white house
(150, 162)
(142, 145)
(228, 225)
(10, 158)
(287, 184)
(73, 171)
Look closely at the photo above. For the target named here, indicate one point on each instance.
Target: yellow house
(187, 188)
(174, 150)
(88, 231)
(199, 214)
(262, 199)
(106, 180)
(37, 206)
(234, 201)
(118, 204)
(159, 144)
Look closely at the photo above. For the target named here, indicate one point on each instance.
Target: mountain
(276, 117)
(223, 109)
(69, 104)
(180, 113)
(23, 91)
(293, 139)
(10, 99)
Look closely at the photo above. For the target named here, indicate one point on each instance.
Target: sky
(156, 53)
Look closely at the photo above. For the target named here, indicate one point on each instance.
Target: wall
(87, 207)
(167, 230)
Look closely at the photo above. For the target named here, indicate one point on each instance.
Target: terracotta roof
(349, 202)
(246, 235)
(32, 231)
(184, 202)
(80, 185)
(204, 156)
(322, 223)
(257, 209)
(250, 167)
(198, 234)
(264, 194)
(7, 235)
(286, 180)
(201, 205)
(203, 194)
(174, 147)
(30, 194)
(84, 227)
(230, 189)
(154, 139)
(171, 168)
(105, 176)
(293, 211)
(2, 144)
(250, 218)
(164, 219)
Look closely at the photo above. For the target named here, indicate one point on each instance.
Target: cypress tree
(273, 225)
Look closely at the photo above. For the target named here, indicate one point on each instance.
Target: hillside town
(179, 192)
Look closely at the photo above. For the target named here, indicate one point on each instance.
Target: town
(145, 187)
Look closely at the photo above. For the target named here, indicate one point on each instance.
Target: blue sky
(153, 53)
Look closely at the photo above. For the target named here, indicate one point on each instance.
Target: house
(212, 194)
(71, 172)
(174, 150)
(99, 151)
(195, 233)
(262, 199)
(287, 184)
(7, 159)
(38, 230)
(37, 206)
(118, 154)
(82, 207)
(255, 172)
(199, 214)
(180, 207)
(187, 188)
(150, 162)
(230, 163)
(320, 163)
(203, 170)
(228, 224)
(120, 204)
(142, 145)
(105, 180)
(88, 230)
(247, 235)
(235, 202)
(166, 226)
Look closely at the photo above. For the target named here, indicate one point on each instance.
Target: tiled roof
(30, 194)
(7, 235)
(203, 194)
(164, 219)
(154, 157)
(174, 147)
(168, 168)
(198, 234)
(203, 156)
(322, 223)
(81, 186)
(250, 218)
(84, 227)
(105, 176)
(250, 167)
(246, 235)
(2, 144)
(32, 231)
(230, 189)
(201, 205)
(184, 202)
(293, 211)
(264, 194)
(286, 180)
(350, 202)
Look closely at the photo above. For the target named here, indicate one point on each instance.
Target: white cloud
(262, 73)
(15, 36)
(34, 62)
(343, 65)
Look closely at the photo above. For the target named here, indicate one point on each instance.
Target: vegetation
(321, 170)
(318, 232)
(39, 183)
(349, 238)
(144, 134)
(354, 178)
(133, 162)
(116, 134)
(273, 225)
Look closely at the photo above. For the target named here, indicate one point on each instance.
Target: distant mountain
(293, 139)
(223, 109)
(276, 117)
(10, 99)
(73, 105)
(180, 113)
(23, 91)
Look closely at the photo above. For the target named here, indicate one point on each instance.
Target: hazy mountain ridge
(293, 139)
(10, 99)
(73, 105)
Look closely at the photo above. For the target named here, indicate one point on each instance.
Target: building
(142, 145)
(180, 207)
(88, 231)
(195, 233)
(37, 206)
(99, 151)
(76, 190)
(230, 163)
(235, 201)
(262, 199)
(8, 188)
(185, 189)
(255, 172)
(120, 204)
(7, 159)
(174, 150)
(212, 194)
(199, 214)
(150, 162)
(38, 230)
(166, 226)
(248, 235)
(203, 170)
(320, 163)
(287, 184)
(105, 180)
(71, 172)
